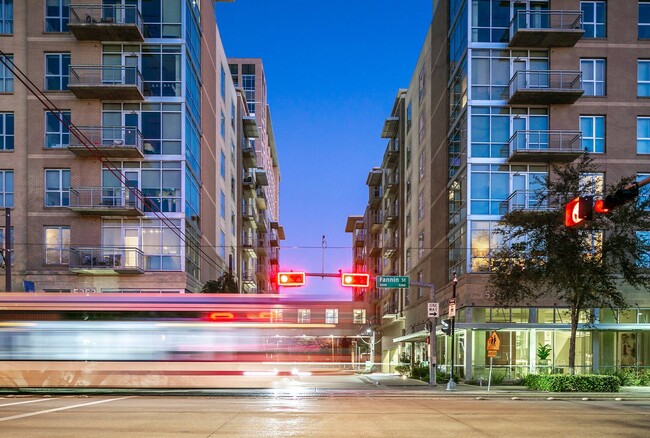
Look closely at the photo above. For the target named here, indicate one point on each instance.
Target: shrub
(403, 370)
(572, 383)
(631, 377)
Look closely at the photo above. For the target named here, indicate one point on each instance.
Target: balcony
(274, 256)
(261, 273)
(274, 239)
(391, 216)
(249, 214)
(262, 178)
(389, 310)
(535, 28)
(106, 260)
(106, 23)
(248, 278)
(530, 200)
(376, 193)
(359, 237)
(105, 201)
(391, 155)
(249, 245)
(544, 146)
(545, 87)
(106, 82)
(261, 199)
(111, 142)
(391, 246)
(262, 247)
(248, 155)
(391, 184)
(262, 223)
(377, 222)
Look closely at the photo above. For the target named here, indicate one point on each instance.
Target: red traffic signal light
(355, 280)
(578, 210)
(291, 278)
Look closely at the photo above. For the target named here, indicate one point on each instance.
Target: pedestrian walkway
(394, 381)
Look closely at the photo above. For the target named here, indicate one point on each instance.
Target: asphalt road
(335, 406)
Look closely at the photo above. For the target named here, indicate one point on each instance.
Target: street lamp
(451, 385)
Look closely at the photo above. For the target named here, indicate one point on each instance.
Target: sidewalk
(394, 381)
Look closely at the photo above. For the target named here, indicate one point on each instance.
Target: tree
(583, 267)
(225, 284)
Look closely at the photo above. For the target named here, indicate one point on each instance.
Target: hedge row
(572, 383)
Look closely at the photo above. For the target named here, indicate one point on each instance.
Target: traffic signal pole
(432, 334)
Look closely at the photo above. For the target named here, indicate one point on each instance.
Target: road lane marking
(31, 414)
(28, 401)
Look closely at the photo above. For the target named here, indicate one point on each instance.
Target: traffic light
(446, 326)
(291, 278)
(355, 280)
(578, 210)
(622, 196)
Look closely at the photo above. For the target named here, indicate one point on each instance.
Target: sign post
(493, 344)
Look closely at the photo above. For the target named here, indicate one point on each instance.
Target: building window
(57, 187)
(644, 19)
(643, 78)
(593, 76)
(6, 131)
(643, 135)
(162, 19)
(594, 16)
(222, 165)
(57, 134)
(304, 316)
(223, 83)
(490, 21)
(358, 316)
(223, 125)
(57, 71)
(6, 188)
(57, 14)
(421, 245)
(409, 116)
(593, 133)
(592, 183)
(421, 166)
(222, 244)
(331, 316)
(222, 207)
(483, 241)
(6, 16)
(644, 192)
(643, 238)
(57, 245)
(420, 206)
(6, 75)
(420, 280)
(422, 83)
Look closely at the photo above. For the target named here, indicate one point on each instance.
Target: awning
(420, 336)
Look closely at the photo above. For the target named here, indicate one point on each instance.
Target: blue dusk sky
(333, 69)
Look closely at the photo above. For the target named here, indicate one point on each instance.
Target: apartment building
(519, 86)
(142, 194)
(261, 231)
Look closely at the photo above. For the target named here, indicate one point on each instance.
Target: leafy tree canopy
(225, 284)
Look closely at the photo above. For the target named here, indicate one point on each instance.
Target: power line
(79, 135)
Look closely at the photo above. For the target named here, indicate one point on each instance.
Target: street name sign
(393, 281)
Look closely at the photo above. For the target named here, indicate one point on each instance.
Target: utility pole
(431, 324)
(7, 250)
(451, 385)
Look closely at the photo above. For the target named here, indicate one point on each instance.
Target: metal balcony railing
(545, 28)
(112, 141)
(107, 258)
(531, 200)
(545, 86)
(106, 82)
(546, 146)
(106, 22)
(105, 201)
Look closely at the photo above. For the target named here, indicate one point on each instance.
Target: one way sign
(433, 310)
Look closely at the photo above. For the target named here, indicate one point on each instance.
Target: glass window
(223, 83)
(359, 316)
(304, 316)
(593, 133)
(222, 206)
(644, 192)
(483, 242)
(643, 135)
(222, 244)
(161, 246)
(7, 16)
(161, 70)
(223, 125)
(331, 316)
(6, 188)
(643, 78)
(643, 238)
(6, 131)
(57, 14)
(57, 71)
(222, 165)
(162, 18)
(57, 245)
(421, 245)
(490, 21)
(57, 134)
(57, 187)
(594, 16)
(420, 206)
(6, 75)
(593, 76)
(644, 19)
